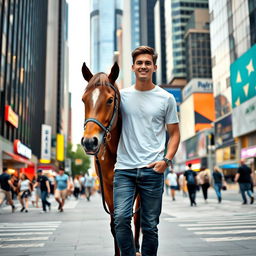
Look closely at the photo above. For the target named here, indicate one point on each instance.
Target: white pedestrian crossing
(221, 228)
(26, 234)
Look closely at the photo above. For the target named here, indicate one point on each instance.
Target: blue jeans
(149, 184)
(44, 195)
(245, 187)
(217, 187)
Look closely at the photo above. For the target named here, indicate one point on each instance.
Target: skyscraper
(106, 19)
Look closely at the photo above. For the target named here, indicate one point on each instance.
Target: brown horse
(102, 130)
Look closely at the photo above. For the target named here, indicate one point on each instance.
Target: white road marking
(213, 224)
(21, 245)
(225, 232)
(27, 234)
(228, 239)
(231, 227)
(26, 229)
(24, 239)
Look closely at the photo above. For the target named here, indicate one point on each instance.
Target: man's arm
(11, 185)
(48, 186)
(172, 147)
(237, 177)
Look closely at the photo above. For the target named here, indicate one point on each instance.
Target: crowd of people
(191, 181)
(41, 187)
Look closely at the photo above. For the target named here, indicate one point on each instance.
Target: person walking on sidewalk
(146, 109)
(44, 184)
(89, 183)
(5, 189)
(218, 180)
(204, 180)
(173, 184)
(25, 192)
(244, 177)
(61, 185)
(191, 180)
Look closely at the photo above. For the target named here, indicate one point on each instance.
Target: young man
(61, 186)
(244, 177)
(191, 180)
(44, 184)
(146, 110)
(5, 189)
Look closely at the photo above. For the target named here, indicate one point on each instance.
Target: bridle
(106, 136)
(106, 129)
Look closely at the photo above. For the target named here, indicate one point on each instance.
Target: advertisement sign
(11, 117)
(196, 146)
(46, 137)
(248, 152)
(244, 118)
(22, 149)
(60, 147)
(223, 132)
(243, 77)
(203, 85)
(176, 92)
(223, 103)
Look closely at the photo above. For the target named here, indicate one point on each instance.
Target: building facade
(23, 33)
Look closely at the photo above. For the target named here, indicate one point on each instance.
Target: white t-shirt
(172, 178)
(24, 185)
(143, 136)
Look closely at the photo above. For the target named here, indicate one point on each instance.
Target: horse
(102, 128)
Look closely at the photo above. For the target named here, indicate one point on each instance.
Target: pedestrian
(14, 180)
(204, 180)
(61, 186)
(25, 192)
(191, 181)
(244, 177)
(82, 182)
(89, 183)
(146, 109)
(173, 184)
(218, 180)
(45, 190)
(183, 185)
(5, 189)
(77, 187)
(35, 194)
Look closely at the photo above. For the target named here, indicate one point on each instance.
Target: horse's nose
(90, 144)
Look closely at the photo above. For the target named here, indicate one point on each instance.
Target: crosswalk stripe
(225, 232)
(249, 218)
(22, 227)
(228, 239)
(226, 227)
(27, 234)
(24, 239)
(27, 229)
(227, 221)
(212, 224)
(21, 245)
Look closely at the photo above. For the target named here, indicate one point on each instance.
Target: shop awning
(229, 166)
(18, 158)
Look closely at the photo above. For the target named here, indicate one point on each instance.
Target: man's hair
(189, 165)
(4, 169)
(144, 50)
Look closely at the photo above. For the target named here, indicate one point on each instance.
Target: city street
(83, 228)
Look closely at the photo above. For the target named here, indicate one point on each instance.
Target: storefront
(17, 158)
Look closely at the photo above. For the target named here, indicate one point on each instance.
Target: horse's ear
(114, 73)
(86, 72)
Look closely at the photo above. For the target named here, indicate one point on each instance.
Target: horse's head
(101, 102)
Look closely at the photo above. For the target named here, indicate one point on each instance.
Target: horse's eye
(110, 101)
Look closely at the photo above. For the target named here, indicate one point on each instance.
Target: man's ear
(155, 68)
(113, 73)
(86, 72)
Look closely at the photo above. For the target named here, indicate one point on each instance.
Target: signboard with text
(21, 149)
(11, 116)
(46, 138)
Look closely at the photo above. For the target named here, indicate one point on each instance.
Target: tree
(80, 162)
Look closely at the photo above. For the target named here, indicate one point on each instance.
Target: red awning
(20, 159)
(47, 167)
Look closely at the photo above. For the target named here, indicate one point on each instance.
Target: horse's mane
(98, 79)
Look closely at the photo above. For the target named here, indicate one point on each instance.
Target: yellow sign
(45, 161)
(60, 147)
(11, 116)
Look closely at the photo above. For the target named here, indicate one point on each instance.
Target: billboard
(46, 138)
(176, 92)
(243, 77)
(223, 132)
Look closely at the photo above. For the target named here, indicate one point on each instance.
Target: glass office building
(106, 19)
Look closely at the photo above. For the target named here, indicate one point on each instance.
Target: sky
(79, 52)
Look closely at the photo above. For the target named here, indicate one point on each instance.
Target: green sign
(243, 77)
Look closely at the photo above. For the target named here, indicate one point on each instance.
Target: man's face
(61, 172)
(144, 67)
